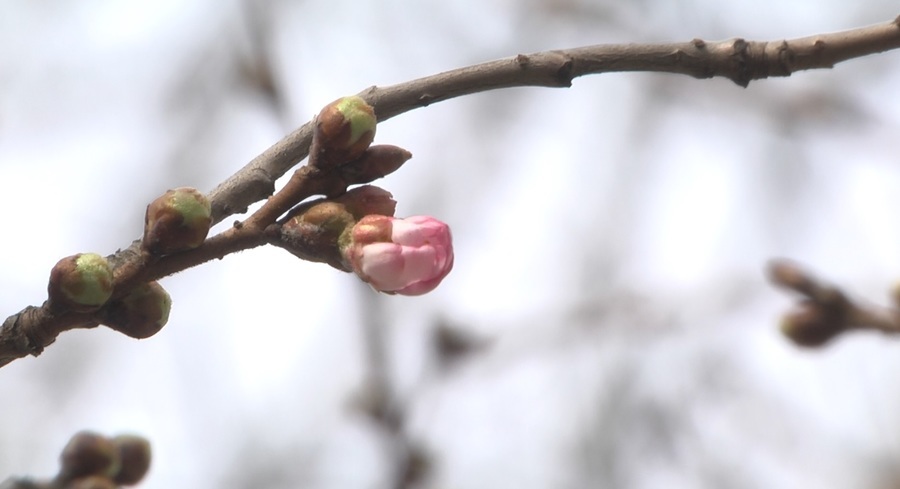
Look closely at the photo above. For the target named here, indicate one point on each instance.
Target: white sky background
(610, 240)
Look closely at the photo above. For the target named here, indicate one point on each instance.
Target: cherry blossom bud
(400, 256)
(80, 283)
(344, 129)
(178, 220)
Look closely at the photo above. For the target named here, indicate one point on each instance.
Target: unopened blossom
(400, 256)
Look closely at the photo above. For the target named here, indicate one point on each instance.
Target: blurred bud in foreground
(811, 325)
(316, 231)
(88, 454)
(400, 256)
(344, 129)
(176, 221)
(141, 313)
(80, 283)
(134, 454)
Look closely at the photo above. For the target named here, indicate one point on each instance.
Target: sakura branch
(825, 311)
(736, 59)
(119, 290)
(86, 290)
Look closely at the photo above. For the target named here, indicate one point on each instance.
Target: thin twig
(736, 59)
(825, 311)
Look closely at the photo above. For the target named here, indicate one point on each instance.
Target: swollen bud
(317, 231)
(178, 220)
(141, 313)
(810, 325)
(344, 129)
(134, 454)
(376, 162)
(313, 234)
(366, 200)
(88, 454)
(80, 283)
(408, 256)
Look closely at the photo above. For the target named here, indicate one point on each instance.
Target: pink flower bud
(400, 256)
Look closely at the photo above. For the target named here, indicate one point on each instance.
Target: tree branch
(736, 59)
(32, 329)
(825, 311)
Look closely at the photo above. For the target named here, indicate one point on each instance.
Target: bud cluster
(315, 231)
(342, 138)
(356, 232)
(84, 283)
(91, 460)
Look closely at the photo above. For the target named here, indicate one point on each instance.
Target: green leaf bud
(344, 129)
(176, 221)
(80, 283)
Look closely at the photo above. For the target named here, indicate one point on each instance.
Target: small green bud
(80, 283)
(176, 221)
(134, 452)
(344, 129)
(141, 313)
(360, 115)
(376, 162)
(811, 325)
(87, 454)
